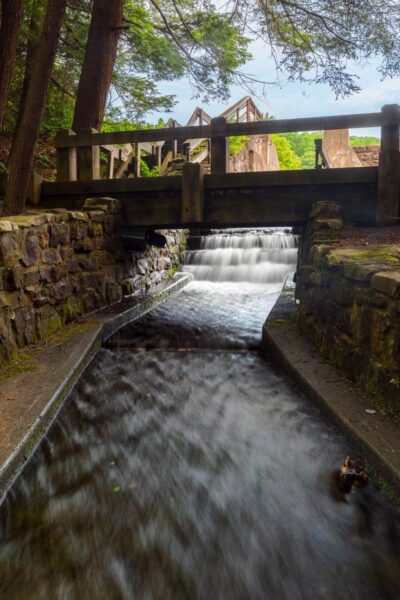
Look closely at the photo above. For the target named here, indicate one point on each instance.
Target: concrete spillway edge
(105, 323)
(374, 433)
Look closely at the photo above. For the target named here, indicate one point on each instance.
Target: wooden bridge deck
(367, 195)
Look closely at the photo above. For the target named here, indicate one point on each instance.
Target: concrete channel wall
(58, 265)
(348, 301)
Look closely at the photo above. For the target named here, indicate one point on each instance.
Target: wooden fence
(79, 154)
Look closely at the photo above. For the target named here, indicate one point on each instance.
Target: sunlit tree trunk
(25, 138)
(11, 12)
(98, 65)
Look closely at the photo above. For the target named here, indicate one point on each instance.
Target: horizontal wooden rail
(379, 119)
(260, 179)
(230, 199)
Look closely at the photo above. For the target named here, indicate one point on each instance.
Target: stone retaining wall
(349, 304)
(59, 265)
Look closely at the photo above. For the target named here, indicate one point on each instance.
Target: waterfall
(252, 256)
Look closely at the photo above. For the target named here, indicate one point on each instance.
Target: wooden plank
(299, 177)
(198, 158)
(35, 187)
(219, 147)
(138, 135)
(236, 206)
(112, 187)
(253, 128)
(287, 205)
(152, 210)
(67, 169)
(389, 171)
(192, 210)
(250, 181)
(88, 158)
(231, 110)
(137, 160)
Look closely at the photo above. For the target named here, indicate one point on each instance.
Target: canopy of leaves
(316, 39)
(159, 41)
(208, 44)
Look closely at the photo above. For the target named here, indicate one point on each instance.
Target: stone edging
(374, 433)
(107, 322)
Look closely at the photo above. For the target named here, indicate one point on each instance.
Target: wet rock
(352, 473)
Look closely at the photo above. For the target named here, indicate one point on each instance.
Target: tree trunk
(11, 17)
(98, 65)
(25, 138)
(35, 27)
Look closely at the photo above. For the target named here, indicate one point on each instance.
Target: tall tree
(11, 12)
(25, 138)
(98, 65)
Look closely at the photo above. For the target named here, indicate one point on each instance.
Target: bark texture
(98, 65)
(23, 146)
(11, 12)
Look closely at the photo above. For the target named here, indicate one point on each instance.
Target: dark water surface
(185, 466)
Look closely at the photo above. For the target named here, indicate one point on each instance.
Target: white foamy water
(259, 256)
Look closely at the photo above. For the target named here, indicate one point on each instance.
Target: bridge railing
(78, 155)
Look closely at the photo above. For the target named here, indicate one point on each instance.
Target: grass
(20, 362)
(24, 360)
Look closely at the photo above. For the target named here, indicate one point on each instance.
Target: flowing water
(184, 466)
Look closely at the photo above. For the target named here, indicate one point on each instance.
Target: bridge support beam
(219, 147)
(66, 159)
(192, 207)
(389, 170)
(88, 159)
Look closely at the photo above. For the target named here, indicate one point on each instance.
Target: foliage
(146, 171)
(288, 159)
(303, 147)
(163, 40)
(315, 40)
(159, 42)
(237, 143)
(364, 140)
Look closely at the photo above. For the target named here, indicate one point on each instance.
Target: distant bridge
(367, 195)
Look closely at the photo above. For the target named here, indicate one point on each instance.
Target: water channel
(185, 466)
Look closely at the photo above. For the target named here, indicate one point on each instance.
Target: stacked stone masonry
(58, 265)
(349, 304)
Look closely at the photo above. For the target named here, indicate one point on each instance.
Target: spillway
(185, 466)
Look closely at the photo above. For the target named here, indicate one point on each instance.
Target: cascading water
(260, 256)
(184, 466)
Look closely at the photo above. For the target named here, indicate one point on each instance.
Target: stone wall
(349, 304)
(59, 265)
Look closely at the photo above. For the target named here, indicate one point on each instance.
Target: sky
(295, 99)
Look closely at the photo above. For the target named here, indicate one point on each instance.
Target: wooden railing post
(137, 161)
(389, 169)
(158, 156)
(186, 151)
(66, 158)
(192, 207)
(219, 146)
(88, 160)
(174, 143)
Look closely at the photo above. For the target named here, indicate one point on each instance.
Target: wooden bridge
(368, 195)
